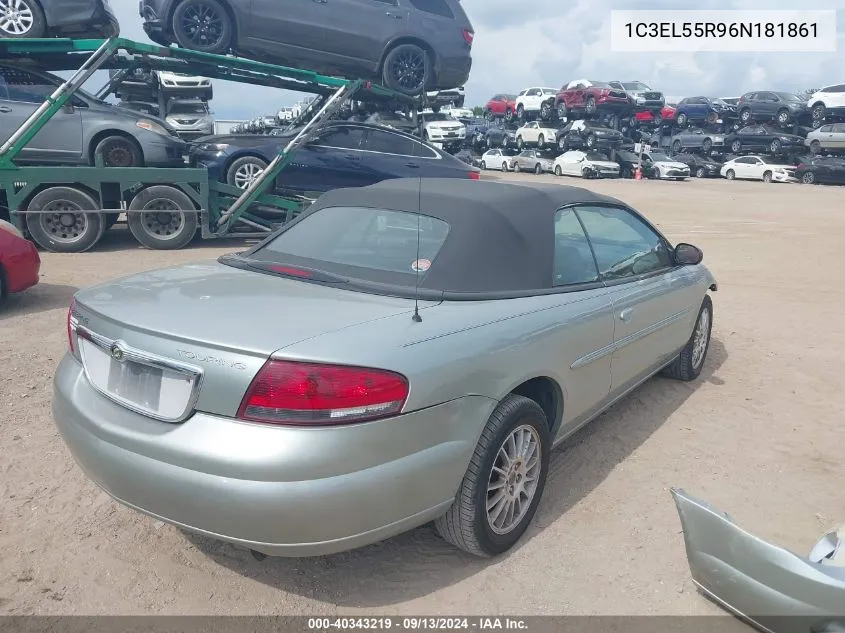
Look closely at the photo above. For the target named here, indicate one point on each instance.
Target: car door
(332, 160)
(300, 25)
(584, 343)
(360, 29)
(837, 136)
(756, 167)
(391, 155)
(529, 132)
(765, 105)
(654, 302)
(532, 99)
(60, 140)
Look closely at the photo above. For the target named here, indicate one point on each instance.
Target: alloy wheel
(701, 338)
(513, 479)
(16, 17)
(202, 25)
(247, 174)
(408, 69)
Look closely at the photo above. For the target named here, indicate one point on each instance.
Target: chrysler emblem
(117, 353)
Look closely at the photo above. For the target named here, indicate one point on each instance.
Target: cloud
(550, 42)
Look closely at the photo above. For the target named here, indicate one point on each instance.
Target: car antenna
(417, 264)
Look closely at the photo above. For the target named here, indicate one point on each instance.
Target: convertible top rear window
(369, 244)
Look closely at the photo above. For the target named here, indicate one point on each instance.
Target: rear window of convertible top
(375, 245)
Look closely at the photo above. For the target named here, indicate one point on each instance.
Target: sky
(523, 43)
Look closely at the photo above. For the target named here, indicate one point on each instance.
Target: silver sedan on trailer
(373, 365)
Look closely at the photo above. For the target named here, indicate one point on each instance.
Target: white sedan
(585, 165)
(535, 133)
(758, 168)
(495, 159)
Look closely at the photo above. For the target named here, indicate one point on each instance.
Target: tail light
(70, 326)
(474, 175)
(801, 166)
(311, 394)
(468, 36)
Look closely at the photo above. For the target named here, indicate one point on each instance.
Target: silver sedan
(533, 160)
(374, 365)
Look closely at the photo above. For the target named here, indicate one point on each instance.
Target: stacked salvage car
(764, 135)
(588, 128)
(181, 100)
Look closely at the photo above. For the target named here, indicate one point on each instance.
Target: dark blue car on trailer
(344, 154)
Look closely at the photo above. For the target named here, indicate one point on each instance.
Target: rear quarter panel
(484, 348)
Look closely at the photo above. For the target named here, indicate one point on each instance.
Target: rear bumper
(153, 23)
(452, 72)
(281, 491)
(165, 153)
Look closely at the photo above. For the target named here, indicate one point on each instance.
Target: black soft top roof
(501, 237)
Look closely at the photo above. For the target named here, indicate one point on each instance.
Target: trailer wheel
(23, 18)
(119, 151)
(164, 218)
(66, 228)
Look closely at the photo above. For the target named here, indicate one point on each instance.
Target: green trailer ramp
(220, 209)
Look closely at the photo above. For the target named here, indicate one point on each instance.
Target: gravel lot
(759, 436)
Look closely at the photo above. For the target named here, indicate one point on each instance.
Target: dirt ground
(760, 436)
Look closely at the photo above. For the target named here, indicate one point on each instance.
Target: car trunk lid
(169, 341)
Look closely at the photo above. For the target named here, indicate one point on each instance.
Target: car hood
(671, 163)
(445, 125)
(602, 163)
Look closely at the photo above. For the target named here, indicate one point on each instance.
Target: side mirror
(688, 255)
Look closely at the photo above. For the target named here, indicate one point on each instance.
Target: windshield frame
(628, 85)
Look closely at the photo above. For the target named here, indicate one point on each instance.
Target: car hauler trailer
(67, 209)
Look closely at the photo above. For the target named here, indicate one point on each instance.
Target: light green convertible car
(400, 353)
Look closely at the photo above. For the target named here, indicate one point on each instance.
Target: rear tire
(407, 69)
(538, 169)
(468, 524)
(558, 171)
(689, 363)
(29, 23)
(214, 35)
(682, 119)
(505, 166)
(68, 228)
(164, 218)
(730, 174)
(118, 151)
(699, 173)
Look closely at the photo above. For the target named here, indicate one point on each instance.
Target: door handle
(352, 157)
(413, 165)
(5, 109)
(625, 315)
(393, 15)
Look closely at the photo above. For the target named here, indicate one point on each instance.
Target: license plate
(161, 392)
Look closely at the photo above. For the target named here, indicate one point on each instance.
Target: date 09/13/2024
(698, 30)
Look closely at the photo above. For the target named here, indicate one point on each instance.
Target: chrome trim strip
(595, 355)
(651, 329)
(142, 358)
